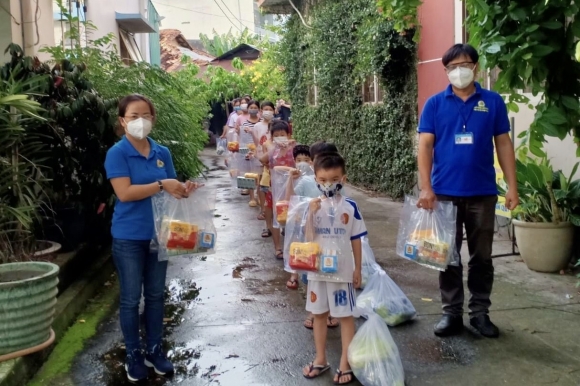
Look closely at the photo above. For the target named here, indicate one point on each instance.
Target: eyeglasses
(149, 117)
(451, 67)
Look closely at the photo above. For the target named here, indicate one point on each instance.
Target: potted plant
(545, 219)
(27, 289)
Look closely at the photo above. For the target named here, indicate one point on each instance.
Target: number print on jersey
(340, 298)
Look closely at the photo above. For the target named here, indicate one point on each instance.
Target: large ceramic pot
(27, 301)
(545, 247)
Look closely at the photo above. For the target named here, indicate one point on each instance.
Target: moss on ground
(60, 360)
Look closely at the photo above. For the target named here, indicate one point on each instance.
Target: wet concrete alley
(231, 320)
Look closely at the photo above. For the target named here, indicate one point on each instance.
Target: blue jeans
(140, 272)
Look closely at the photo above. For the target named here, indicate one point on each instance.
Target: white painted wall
(203, 16)
(561, 153)
(102, 14)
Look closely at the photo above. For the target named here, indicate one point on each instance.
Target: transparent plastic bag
(428, 236)
(305, 251)
(386, 299)
(373, 355)
(221, 146)
(185, 227)
(234, 167)
(279, 179)
(369, 265)
(233, 141)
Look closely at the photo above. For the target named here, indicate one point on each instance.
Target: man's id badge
(464, 139)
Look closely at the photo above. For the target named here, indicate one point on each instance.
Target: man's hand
(512, 199)
(357, 278)
(315, 205)
(427, 199)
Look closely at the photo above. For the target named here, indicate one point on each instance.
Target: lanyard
(465, 120)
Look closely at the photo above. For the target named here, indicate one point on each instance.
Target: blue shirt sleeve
(116, 164)
(427, 121)
(169, 168)
(502, 121)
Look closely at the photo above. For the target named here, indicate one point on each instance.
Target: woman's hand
(175, 188)
(192, 186)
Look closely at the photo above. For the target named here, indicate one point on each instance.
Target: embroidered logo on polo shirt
(481, 107)
(160, 163)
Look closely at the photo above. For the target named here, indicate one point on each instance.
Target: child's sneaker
(157, 359)
(135, 366)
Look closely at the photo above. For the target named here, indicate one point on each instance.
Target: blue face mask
(237, 108)
(330, 189)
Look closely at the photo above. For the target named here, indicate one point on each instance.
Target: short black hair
(252, 102)
(301, 150)
(279, 126)
(236, 100)
(326, 161)
(460, 50)
(244, 99)
(268, 103)
(320, 147)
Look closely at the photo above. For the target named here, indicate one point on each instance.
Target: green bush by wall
(348, 42)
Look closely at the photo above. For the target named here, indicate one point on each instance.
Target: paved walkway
(244, 327)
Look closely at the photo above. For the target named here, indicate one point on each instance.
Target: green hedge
(349, 41)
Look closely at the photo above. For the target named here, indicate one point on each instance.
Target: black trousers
(478, 216)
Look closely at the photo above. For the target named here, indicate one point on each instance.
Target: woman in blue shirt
(139, 168)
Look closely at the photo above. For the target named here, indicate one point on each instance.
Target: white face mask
(267, 115)
(244, 107)
(139, 128)
(461, 77)
(304, 168)
(280, 140)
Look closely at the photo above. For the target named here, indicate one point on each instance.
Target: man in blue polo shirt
(458, 129)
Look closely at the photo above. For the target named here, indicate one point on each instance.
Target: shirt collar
(132, 152)
(449, 90)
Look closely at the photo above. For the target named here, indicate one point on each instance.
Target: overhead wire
(200, 12)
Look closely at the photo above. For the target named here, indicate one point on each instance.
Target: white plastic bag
(369, 265)
(428, 236)
(279, 176)
(221, 146)
(233, 141)
(385, 298)
(295, 227)
(185, 226)
(373, 355)
(235, 167)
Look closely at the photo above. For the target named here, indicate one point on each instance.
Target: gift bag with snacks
(374, 356)
(280, 177)
(185, 227)
(369, 264)
(386, 299)
(428, 236)
(233, 141)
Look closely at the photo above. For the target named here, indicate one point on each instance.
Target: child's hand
(295, 173)
(315, 205)
(357, 278)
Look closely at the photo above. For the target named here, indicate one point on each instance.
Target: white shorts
(325, 296)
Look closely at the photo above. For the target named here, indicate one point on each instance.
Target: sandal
(320, 368)
(261, 216)
(266, 233)
(309, 323)
(332, 322)
(279, 254)
(293, 284)
(245, 192)
(253, 204)
(341, 374)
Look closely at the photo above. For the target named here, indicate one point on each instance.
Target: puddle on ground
(435, 351)
(180, 295)
(247, 263)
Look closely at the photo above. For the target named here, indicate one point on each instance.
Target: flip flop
(311, 320)
(261, 216)
(266, 233)
(293, 285)
(321, 369)
(329, 322)
(279, 254)
(342, 374)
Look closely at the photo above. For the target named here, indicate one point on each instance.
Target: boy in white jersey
(334, 217)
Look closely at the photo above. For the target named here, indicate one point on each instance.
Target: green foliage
(348, 42)
(545, 195)
(220, 44)
(180, 109)
(403, 14)
(22, 178)
(533, 44)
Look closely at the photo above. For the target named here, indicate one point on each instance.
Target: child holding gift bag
(333, 220)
